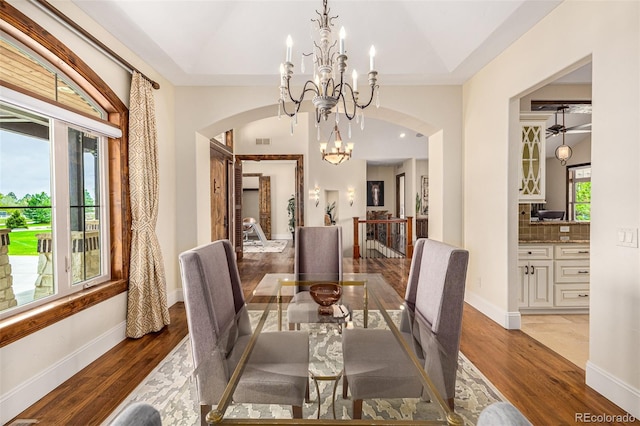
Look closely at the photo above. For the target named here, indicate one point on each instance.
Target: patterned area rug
(272, 246)
(171, 389)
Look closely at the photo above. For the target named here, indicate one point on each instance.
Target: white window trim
(39, 106)
(58, 130)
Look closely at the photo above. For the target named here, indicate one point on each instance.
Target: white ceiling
(242, 42)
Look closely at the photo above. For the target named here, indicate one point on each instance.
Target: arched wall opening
(352, 172)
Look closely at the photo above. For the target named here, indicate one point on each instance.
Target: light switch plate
(564, 229)
(627, 237)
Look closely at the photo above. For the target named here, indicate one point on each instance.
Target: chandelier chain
(328, 88)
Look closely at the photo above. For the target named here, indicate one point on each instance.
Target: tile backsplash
(549, 231)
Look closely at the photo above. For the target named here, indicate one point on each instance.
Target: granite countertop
(556, 222)
(553, 241)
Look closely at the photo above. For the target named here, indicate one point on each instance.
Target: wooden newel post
(409, 237)
(356, 247)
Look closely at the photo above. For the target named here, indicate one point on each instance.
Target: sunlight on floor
(568, 335)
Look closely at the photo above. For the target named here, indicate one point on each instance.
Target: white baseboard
(175, 296)
(28, 393)
(508, 320)
(615, 390)
(287, 236)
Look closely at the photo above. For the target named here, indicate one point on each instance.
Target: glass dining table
(366, 301)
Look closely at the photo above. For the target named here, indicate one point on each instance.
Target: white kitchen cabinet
(535, 269)
(553, 276)
(536, 284)
(532, 160)
(572, 271)
(572, 275)
(576, 295)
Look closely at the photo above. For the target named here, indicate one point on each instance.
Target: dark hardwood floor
(548, 389)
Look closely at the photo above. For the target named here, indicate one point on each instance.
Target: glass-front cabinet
(532, 157)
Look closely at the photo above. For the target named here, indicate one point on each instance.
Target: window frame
(31, 34)
(571, 191)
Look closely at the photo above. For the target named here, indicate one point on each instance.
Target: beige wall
(282, 176)
(28, 372)
(484, 220)
(388, 176)
(608, 33)
(203, 112)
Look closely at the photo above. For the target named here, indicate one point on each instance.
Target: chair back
(414, 272)
(213, 300)
(318, 253)
(441, 284)
(440, 302)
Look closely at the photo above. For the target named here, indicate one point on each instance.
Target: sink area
(544, 215)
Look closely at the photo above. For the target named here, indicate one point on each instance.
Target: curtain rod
(48, 8)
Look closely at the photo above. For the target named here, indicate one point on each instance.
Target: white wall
(36, 364)
(607, 33)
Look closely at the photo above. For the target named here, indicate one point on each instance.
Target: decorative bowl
(325, 295)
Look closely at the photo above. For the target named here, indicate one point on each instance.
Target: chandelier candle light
(328, 86)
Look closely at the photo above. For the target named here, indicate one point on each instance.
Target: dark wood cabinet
(422, 227)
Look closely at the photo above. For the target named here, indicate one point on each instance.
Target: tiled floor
(567, 335)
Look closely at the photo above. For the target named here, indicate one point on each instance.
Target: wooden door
(219, 196)
(400, 201)
(237, 208)
(265, 204)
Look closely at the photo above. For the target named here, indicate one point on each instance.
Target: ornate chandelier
(340, 152)
(328, 86)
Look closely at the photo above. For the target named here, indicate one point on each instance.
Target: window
(97, 110)
(52, 192)
(579, 192)
(54, 175)
(24, 68)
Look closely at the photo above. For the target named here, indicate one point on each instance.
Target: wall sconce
(316, 195)
(351, 194)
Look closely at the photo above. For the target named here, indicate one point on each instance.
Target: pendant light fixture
(340, 152)
(563, 152)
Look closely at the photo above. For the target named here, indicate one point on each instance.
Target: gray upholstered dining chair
(436, 284)
(318, 255)
(219, 330)
(138, 414)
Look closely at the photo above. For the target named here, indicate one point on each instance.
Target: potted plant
(329, 210)
(291, 214)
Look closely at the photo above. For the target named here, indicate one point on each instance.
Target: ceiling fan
(557, 128)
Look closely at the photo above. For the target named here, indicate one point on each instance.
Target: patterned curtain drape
(147, 309)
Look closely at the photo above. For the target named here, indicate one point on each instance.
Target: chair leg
(357, 409)
(345, 386)
(204, 410)
(307, 399)
(297, 411)
(451, 403)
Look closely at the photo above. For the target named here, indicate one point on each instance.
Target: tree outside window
(579, 192)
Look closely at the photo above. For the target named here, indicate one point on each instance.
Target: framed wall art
(424, 196)
(375, 193)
